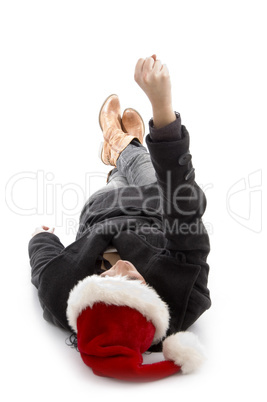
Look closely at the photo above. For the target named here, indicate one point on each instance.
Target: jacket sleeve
(183, 204)
(43, 248)
(182, 200)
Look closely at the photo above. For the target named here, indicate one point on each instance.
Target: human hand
(154, 79)
(41, 229)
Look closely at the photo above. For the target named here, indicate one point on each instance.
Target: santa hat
(116, 320)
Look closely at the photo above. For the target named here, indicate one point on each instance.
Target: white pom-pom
(185, 350)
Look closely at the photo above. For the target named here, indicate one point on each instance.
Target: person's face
(124, 268)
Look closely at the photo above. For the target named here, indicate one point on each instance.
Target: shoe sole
(103, 106)
(130, 108)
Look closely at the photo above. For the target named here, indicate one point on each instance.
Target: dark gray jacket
(158, 228)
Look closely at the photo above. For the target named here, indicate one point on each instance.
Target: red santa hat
(117, 320)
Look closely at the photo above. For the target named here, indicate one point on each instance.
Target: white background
(59, 61)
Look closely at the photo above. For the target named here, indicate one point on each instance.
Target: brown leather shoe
(133, 124)
(110, 113)
(115, 140)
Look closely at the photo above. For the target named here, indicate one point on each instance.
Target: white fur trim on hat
(185, 350)
(119, 291)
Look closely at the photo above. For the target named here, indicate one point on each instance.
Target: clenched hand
(154, 79)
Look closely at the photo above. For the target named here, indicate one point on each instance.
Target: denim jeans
(134, 167)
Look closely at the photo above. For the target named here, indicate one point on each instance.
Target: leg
(135, 164)
(134, 167)
(116, 180)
